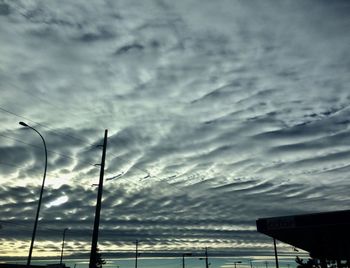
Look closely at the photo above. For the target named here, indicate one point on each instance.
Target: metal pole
(276, 257)
(40, 196)
(93, 253)
(183, 258)
(137, 253)
(64, 234)
(237, 262)
(206, 258)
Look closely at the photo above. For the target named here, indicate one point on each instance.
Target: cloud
(217, 114)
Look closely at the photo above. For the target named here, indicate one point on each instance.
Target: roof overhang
(323, 235)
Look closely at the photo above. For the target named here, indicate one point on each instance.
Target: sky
(218, 113)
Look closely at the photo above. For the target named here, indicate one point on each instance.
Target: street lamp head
(23, 124)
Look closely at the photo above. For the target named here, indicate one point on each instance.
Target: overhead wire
(39, 147)
(52, 175)
(36, 97)
(66, 135)
(134, 166)
(113, 175)
(45, 126)
(63, 155)
(148, 175)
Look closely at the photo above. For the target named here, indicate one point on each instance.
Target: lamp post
(235, 263)
(183, 258)
(64, 235)
(40, 197)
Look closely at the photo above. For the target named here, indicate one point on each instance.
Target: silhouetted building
(326, 236)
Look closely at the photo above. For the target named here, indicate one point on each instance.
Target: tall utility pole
(93, 253)
(136, 252)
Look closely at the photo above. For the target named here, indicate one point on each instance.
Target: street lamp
(40, 197)
(236, 263)
(64, 235)
(183, 258)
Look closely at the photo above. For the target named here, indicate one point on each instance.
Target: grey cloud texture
(218, 113)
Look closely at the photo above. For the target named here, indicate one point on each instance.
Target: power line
(38, 147)
(113, 176)
(45, 126)
(148, 175)
(52, 175)
(67, 135)
(134, 166)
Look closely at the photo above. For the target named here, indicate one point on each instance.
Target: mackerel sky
(218, 113)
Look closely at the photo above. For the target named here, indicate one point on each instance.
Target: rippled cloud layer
(218, 113)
